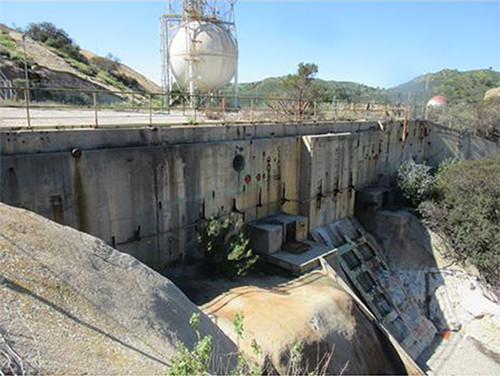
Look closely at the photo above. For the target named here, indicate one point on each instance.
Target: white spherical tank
(204, 51)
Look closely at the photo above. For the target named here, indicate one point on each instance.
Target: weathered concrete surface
(144, 190)
(447, 143)
(312, 309)
(450, 296)
(70, 304)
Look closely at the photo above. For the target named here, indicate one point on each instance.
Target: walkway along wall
(145, 190)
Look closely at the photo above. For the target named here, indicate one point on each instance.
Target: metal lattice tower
(181, 12)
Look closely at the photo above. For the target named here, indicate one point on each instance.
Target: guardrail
(49, 107)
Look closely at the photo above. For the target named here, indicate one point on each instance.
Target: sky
(378, 43)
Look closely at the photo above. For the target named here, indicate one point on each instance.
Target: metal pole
(251, 110)
(94, 97)
(300, 111)
(425, 95)
(194, 107)
(27, 99)
(27, 83)
(223, 109)
(315, 108)
(277, 113)
(150, 110)
(26, 75)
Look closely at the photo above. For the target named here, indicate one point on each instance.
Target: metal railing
(63, 107)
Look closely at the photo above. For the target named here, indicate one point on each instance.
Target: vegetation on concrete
(462, 203)
(226, 246)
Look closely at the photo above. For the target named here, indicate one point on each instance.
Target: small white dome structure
(203, 56)
(437, 101)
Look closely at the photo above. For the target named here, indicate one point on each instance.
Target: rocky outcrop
(70, 304)
(461, 307)
(492, 94)
(315, 311)
(50, 69)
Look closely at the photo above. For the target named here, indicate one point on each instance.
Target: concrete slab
(303, 262)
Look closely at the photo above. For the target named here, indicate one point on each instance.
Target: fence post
(194, 108)
(150, 110)
(277, 111)
(251, 110)
(94, 99)
(27, 99)
(223, 110)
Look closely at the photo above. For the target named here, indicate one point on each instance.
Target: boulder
(70, 304)
(492, 94)
(314, 311)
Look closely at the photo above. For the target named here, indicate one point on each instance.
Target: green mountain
(458, 87)
(327, 90)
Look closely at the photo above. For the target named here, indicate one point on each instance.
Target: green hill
(458, 87)
(327, 90)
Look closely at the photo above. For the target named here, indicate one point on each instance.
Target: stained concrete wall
(328, 177)
(446, 143)
(145, 190)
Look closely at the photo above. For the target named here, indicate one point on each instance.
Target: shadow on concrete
(409, 252)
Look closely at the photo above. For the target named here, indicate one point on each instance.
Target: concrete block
(265, 238)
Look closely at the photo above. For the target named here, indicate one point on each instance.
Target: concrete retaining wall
(144, 190)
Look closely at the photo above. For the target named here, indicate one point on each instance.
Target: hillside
(458, 87)
(54, 59)
(328, 90)
(59, 62)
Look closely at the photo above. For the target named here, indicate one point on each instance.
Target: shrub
(104, 64)
(415, 181)
(10, 50)
(466, 210)
(488, 123)
(200, 360)
(197, 361)
(226, 246)
(56, 38)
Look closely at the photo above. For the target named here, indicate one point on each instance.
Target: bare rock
(313, 310)
(70, 304)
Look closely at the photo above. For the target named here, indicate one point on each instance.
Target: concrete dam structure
(145, 190)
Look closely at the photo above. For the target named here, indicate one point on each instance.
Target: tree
(300, 88)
